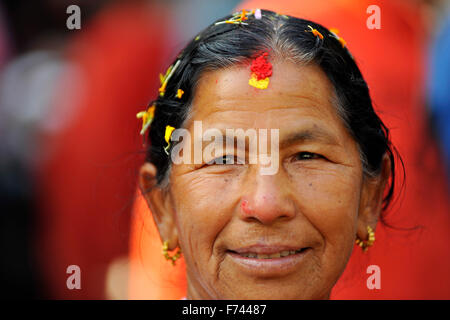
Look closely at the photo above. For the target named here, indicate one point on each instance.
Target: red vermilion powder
(261, 67)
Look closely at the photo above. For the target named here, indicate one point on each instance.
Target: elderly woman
(252, 226)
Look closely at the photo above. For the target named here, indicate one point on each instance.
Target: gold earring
(165, 252)
(367, 243)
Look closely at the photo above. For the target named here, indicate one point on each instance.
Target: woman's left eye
(307, 156)
(226, 159)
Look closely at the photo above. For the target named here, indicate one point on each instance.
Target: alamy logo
(74, 280)
(374, 280)
(374, 20)
(74, 20)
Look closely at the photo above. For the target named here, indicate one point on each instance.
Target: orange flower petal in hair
(334, 33)
(315, 32)
(237, 18)
(243, 16)
(261, 71)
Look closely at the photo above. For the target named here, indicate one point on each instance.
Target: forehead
(295, 92)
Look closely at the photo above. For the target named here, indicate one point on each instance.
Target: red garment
(86, 187)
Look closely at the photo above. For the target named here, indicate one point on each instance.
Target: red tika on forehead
(261, 67)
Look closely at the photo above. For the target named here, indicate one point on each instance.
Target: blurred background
(70, 148)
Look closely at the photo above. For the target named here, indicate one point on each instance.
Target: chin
(279, 296)
(275, 289)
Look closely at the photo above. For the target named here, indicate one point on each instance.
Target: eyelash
(224, 159)
(310, 156)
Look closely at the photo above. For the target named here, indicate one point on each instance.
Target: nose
(267, 202)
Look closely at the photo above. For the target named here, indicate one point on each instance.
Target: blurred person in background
(87, 184)
(439, 83)
(35, 33)
(412, 252)
(58, 92)
(4, 39)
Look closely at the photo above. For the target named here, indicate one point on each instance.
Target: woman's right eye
(307, 156)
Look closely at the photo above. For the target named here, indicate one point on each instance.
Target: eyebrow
(226, 140)
(316, 134)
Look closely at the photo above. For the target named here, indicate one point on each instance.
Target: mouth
(269, 261)
(275, 255)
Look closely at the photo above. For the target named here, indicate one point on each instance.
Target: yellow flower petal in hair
(180, 93)
(147, 118)
(315, 32)
(162, 77)
(167, 135)
(334, 33)
(165, 79)
(237, 18)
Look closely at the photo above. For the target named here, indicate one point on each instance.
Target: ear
(372, 199)
(160, 204)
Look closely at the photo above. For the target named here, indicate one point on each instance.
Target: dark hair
(220, 46)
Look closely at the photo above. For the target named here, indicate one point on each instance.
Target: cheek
(330, 203)
(330, 200)
(204, 205)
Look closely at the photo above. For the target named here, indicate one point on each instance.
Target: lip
(265, 249)
(274, 267)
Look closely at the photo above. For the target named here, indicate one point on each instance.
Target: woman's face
(288, 235)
